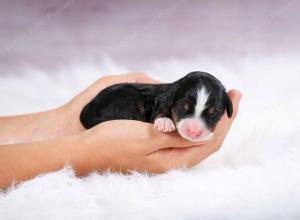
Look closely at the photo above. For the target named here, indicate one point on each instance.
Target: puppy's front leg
(164, 124)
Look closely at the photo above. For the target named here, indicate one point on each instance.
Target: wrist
(88, 153)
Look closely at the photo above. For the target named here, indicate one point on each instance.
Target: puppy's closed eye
(186, 105)
(211, 110)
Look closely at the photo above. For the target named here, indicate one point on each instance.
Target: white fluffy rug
(254, 176)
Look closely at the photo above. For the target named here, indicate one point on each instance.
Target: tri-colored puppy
(194, 104)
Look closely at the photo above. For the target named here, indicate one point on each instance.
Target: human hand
(123, 145)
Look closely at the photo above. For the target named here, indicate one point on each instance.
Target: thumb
(235, 96)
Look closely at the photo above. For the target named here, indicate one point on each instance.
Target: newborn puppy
(193, 104)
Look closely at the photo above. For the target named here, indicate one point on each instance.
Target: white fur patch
(202, 97)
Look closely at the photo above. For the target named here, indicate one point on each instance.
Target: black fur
(145, 102)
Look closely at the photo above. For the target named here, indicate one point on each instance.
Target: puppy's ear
(228, 105)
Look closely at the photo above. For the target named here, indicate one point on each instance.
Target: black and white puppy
(193, 104)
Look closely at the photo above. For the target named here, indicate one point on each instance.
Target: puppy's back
(120, 101)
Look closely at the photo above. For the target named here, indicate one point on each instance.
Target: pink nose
(194, 133)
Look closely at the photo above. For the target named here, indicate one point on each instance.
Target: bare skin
(45, 142)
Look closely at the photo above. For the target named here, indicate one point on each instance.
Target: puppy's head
(198, 103)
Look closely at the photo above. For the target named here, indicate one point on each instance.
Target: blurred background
(51, 34)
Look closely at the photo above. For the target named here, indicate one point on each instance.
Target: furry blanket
(255, 175)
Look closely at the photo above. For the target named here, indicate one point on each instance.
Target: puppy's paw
(164, 125)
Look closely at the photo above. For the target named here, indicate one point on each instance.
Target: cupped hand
(123, 145)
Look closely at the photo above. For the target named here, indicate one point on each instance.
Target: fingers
(148, 138)
(174, 158)
(123, 78)
(105, 81)
(141, 78)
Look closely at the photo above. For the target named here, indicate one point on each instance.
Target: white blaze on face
(194, 128)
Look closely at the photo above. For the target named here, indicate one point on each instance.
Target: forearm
(38, 126)
(20, 162)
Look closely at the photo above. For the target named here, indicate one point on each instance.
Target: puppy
(194, 104)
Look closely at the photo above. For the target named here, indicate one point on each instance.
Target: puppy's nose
(194, 133)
